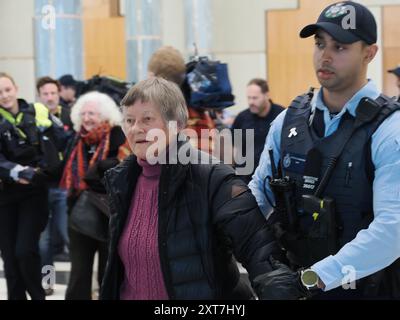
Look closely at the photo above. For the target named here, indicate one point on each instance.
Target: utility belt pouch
(285, 198)
(322, 235)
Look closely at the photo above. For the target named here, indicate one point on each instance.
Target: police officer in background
(28, 159)
(332, 164)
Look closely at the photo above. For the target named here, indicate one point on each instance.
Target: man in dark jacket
(48, 90)
(261, 112)
(204, 214)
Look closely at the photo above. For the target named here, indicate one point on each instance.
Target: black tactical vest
(350, 184)
(21, 142)
(25, 144)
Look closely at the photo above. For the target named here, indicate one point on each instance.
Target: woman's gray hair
(108, 109)
(164, 94)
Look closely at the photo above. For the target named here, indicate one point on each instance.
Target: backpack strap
(368, 111)
(8, 122)
(388, 107)
(302, 101)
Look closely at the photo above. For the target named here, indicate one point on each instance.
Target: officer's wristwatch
(309, 279)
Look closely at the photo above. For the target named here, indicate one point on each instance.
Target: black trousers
(82, 250)
(22, 218)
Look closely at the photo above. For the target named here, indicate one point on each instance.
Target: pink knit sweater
(138, 246)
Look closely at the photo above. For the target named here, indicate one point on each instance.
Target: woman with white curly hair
(98, 146)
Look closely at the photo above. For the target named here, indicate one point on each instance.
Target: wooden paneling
(289, 58)
(114, 8)
(96, 8)
(391, 47)
(105, 47)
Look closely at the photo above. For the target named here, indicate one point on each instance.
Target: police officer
(28, 157)
(332, 164)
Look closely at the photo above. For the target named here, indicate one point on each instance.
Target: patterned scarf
(77, 164)
(124, 151)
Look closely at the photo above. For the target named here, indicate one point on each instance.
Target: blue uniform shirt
(378, 246)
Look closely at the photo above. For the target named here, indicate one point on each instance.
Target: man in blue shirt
(343, 144)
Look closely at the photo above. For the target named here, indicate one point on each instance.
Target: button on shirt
(378, 246)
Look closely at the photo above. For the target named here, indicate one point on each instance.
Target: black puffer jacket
(206, 213)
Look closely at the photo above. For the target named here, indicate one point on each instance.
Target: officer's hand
(26, 175)
(280, 284)
(40, 178)
(23, 181)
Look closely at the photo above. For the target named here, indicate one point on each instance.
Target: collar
(369, 90)
(122, 179)
(22, 106)
(149, 170)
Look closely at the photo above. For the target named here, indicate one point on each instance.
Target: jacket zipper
(162, 237)
(348, 173)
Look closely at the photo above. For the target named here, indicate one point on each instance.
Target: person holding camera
(331, 162)
(29, 159)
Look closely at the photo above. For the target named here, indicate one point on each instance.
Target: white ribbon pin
(292, 133)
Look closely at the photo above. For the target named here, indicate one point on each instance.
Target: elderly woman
(96, 148)
(175, 225)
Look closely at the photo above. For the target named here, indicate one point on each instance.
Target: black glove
(106, 164)
(40, 178)
(280, 284)
(27, 174)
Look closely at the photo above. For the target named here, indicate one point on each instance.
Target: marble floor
(62, 276)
